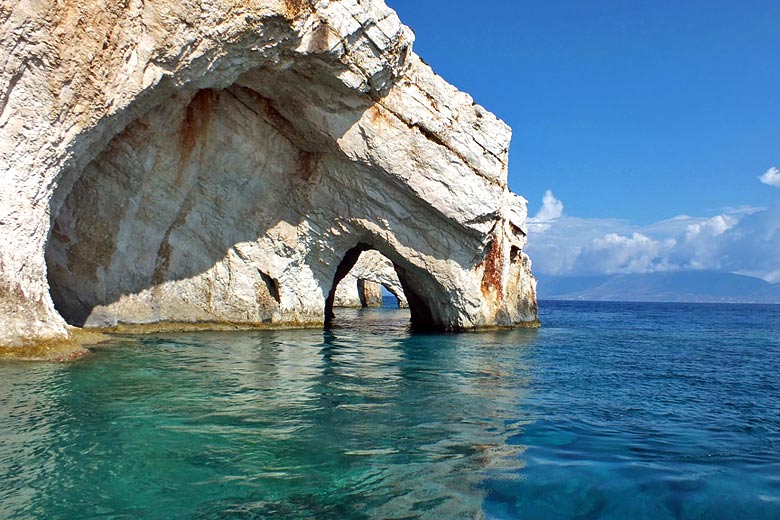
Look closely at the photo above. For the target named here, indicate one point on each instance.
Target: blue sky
(630, 112)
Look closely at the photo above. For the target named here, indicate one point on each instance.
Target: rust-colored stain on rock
(294, 7)
(376, 115)
(307, 164)
(196, 120)
(494, 268)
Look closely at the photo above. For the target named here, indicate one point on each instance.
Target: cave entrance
(195, 212)
(371, 282)
(354, 292)
(366, 278)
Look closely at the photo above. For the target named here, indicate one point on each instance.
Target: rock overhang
(365, 142)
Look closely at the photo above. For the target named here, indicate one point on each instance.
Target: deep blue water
(611, 410)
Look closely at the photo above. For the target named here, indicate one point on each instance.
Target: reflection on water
(608, 411)
(363, 420)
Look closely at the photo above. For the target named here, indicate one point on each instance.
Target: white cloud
(551, 209)
(711, 227)
(771, 177)
(742, 240)
(614, 253)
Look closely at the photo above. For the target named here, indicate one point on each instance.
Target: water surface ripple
(609, 411)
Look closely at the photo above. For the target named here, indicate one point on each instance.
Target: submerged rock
(227, 163)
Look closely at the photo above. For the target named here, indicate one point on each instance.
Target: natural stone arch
(421, 304)
(423, 168)
(372, 272)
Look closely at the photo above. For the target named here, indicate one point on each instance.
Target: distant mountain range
(680, 286)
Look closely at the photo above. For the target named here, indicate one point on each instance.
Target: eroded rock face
(363, 294)
(227, 163)
(362, 287)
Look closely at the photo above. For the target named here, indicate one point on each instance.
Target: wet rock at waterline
(164, 162)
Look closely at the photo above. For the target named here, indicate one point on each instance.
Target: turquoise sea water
(609, 411)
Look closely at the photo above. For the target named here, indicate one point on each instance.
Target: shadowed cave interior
(173, 222)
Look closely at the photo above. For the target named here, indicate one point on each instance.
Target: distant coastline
(662, 287)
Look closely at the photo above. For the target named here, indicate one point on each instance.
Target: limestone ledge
(72, 347)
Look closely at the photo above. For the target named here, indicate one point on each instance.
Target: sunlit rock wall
(223, 162)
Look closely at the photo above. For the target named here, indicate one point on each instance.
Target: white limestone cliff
(225, 162)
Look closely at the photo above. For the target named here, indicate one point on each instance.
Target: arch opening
(363, 265)
(388, 298)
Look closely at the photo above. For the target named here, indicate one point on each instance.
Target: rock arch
(422, 303)
(372, 272)
(216, 165)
